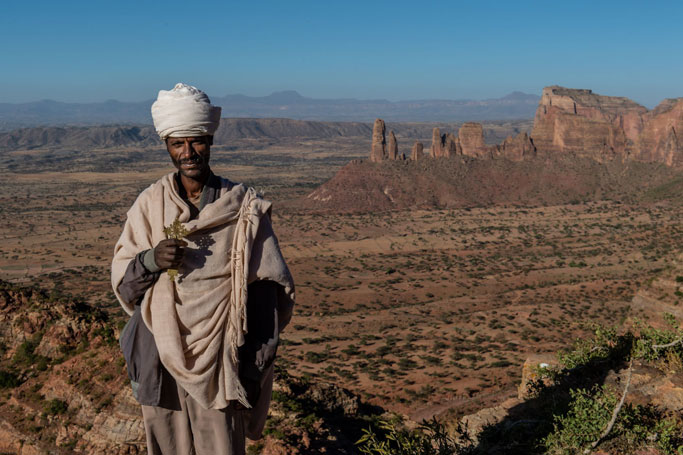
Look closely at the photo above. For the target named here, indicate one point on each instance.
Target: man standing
(202, 338)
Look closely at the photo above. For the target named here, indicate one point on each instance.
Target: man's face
(190, 155)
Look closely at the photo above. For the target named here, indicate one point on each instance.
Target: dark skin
(190, 155)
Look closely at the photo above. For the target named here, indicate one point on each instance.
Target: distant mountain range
(88, 137)
(288, 104)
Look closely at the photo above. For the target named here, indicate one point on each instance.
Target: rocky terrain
(64, 388)
(653, 381)
(582, 146)
(431, 281)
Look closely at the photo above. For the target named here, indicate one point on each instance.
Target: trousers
(193, 430)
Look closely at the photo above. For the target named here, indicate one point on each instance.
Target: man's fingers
(169, 253)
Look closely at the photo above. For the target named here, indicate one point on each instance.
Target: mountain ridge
(516, 105)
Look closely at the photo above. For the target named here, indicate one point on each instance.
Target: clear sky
(82, 51)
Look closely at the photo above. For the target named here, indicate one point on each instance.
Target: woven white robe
(199, 320)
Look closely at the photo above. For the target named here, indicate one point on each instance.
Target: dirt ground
(420, 312)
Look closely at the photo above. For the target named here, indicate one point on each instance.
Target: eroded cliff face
(659, 140)
(568, 121)
(607, 127)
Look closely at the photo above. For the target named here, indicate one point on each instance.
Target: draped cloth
(184, 111)
(199, 320)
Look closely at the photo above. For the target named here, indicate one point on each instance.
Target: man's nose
(188, 150)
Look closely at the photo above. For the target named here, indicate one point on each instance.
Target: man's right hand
(169, 253)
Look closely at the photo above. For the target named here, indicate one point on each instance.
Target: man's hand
(169, 253)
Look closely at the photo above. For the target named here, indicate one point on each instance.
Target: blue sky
(82, 51)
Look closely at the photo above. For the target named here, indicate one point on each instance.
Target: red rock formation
(582, 122)
(393, 147)
(471, 137)
(417, 151)
(517, 148)
(437, 145)
(660, 140)
(605, 127)
(571, 121)
(451, 145)
(378, 151)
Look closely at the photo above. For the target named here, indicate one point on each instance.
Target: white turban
(183, 112)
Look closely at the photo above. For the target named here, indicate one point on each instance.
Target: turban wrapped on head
(184, 111)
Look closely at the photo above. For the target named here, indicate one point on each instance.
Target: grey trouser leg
(193, 430)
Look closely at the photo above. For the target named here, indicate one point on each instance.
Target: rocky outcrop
(471, 137)
(63, 352)
(582, 122)
(392, 150)
(608, 127)
(436, 150)
(416, 153)
(380, 151)
(533, 374)
(451, 145)
(518, 148)
(569, 121)
(660, 139)
(379, 143)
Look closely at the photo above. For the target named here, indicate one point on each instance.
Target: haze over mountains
(289, 104)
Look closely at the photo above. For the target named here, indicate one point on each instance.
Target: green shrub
(588, 415)
(8, 380)
(56, 406)
(430, 438)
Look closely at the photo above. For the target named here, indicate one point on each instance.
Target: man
(201, 340)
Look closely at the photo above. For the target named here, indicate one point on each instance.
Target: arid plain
(422, 312)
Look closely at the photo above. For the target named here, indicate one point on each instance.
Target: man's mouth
(190, 164)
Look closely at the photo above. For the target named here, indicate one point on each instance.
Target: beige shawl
(199, 320)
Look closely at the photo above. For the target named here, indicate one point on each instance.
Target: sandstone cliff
(607, 127)
(580, 123)
(660, 139)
